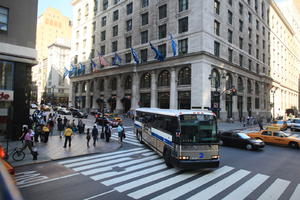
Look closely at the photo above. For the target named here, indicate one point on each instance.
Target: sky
(63, 5)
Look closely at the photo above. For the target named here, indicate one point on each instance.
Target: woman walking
(107, 132)
(121, 132)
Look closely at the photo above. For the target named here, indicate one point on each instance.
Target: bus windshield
(198, 128)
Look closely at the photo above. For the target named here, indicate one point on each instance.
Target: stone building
(221, 46)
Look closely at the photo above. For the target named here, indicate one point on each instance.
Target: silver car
(295, 124)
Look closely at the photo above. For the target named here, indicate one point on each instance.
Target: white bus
(186, 139)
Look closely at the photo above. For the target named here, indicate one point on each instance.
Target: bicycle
(17, 154)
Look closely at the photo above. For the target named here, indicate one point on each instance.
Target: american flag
(102, 60)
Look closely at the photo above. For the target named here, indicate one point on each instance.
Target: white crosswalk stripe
(130, 138)
(140, 173)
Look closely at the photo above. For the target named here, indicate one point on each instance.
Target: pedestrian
(38, 132)
(107, 132)
(24, 131)
(27, 140)
(121, 132)
(88, 137)
(95, 134)
(74, 128)
(65, 122)
(51, 125)
(45, 133)
(68, 133)
(60, 127)
(80, 126)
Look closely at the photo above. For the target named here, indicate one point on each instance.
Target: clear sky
(63, 5)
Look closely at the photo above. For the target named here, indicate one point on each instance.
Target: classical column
(120, 94)
(96, 93)
(153, 90)
(107, 92)
(235, 112)
(245, 96)
(173, 90)
(223, 113)
(88, 94)
(72, 94)
(135, 91)
(79, 100)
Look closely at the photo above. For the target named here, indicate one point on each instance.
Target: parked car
(79, 114)
(33, 106)
(64, 111)
(239, 139)
(7, 165)
(45, 108)
(280, 124)
(273, 136)
(295, 124)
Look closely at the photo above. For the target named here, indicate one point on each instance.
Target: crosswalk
(130, 138)
(141, 174)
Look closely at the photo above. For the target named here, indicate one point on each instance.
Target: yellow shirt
(68, 132)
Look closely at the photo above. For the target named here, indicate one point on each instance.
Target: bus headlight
(183, 157)
(215, 157)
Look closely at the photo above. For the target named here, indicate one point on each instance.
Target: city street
(136, 172)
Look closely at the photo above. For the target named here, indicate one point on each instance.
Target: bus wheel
(139, 135)
(167, 158)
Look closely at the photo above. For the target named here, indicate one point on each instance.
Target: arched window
(215, 79)
(146, 80)
(184, 76)
(128, 83)
(249, 87)
(240, 84)
(256, 88)
(113, 83)
(164, 78)
(228, 81)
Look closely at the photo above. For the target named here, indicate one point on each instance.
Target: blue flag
(81, 69)
(93, 65)
(73, 71)
(158, 55)
(66, 73)
(174, 45)
(117, 60)
(135, 56)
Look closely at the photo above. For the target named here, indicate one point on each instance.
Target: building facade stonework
(221, 46)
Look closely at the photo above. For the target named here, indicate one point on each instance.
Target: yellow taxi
(7, 165)
(274, 135)
(280, 123)
(113, 117)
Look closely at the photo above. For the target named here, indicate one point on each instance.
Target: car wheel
(167, 158)
(221, 142)
(294, 145)
(249, 147)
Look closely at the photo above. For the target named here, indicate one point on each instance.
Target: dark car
(102, 120)
(63, 111)
(79, 114)
(239, 139)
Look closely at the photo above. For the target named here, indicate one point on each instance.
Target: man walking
(95, 134)
(68, 133)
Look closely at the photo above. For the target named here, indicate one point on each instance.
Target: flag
(117, 60)
(102, 60)
(81, 69)
(174, 45)
(135, 55)
(93, 65)
(73, 71)
(66, 73)
(158, 55)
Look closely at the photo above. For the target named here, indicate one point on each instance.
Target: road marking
(129, 169)
(134, 175)
(94, 171)
(275, 190)
(49, 180)
(99, 195)
(247, 188)
(220, 186)
(127, 141)
(27, 177)
(179, 191)
(98, 156)
(296, 194)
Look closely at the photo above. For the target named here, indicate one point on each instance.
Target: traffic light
(233, 92)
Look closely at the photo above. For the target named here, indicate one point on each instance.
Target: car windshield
(198, 128)
(278, 122)
(243, 135)
(280, 134)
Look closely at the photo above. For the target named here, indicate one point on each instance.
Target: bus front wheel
(167, 158)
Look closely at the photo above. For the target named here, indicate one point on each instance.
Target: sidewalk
(227, 126)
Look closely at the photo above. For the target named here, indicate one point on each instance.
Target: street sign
(6, 95)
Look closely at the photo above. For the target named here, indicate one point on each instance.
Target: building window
(217, 49)
(262, 10)
(162, 11)
(241, 60)
(103, 21)
(162, 48)
(94, 27)
(144, 19)
(86, 10)
(250, 65)
(249, 33)
(257, 68)
(129, 8)
(264, 31)
(129, 25)
(162, 31)
(241, 43)
(230, 55)
(77, 34)
(257, 25)
(229, 17)
(183, 5)
(241, 24)
(114, 45)
(183, 46)
(84, 43)
(229, 36)
(164, 79)
(93, 39)
(184, 100)
(184, 76)
(105, 4)
(256, 5)
(115, 15)
(249, 17)
(164, 100)
(217, 7)
(146, 81)
(128, 57)
(256, 103)
(116, 1)
(145, 3)
(249, 49)
(78, 14)
(128, 42)
(241, 8)
(217, 27)
(257, 39)
(128, 83)
(144, 37)
(145, 100)
(230, 2)
(183, 25)
(263, 58)
(144, 55)
(6, 75)
(102, 50)
(257, 53)
(103, 35)
(115, 30)
(264, 44)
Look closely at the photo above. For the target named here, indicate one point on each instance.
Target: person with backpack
(107, 132)
(95, 134)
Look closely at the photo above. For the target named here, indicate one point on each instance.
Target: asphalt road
(136, 172)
